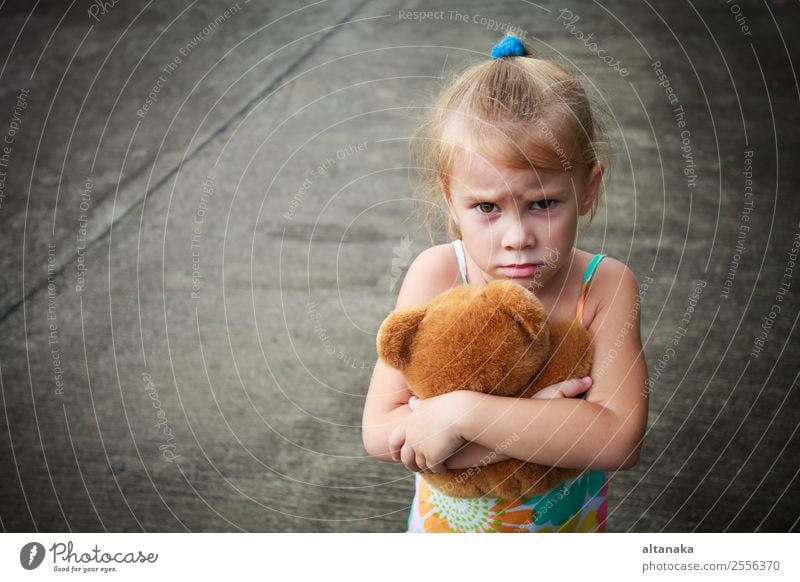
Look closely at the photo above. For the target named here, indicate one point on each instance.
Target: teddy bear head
(491, 339)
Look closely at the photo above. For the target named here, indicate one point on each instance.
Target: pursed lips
(520, 270)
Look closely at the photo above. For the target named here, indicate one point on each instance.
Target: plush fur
(494, 339)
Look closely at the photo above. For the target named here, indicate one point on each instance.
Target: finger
(407, 455)
(390, 442)
(438, 468)
(584, 384)
(397, 439)
(547, 393)
(574, 387)
(413, 402)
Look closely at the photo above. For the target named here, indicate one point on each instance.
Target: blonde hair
(519, 111)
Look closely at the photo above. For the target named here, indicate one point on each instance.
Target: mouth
(520, 271)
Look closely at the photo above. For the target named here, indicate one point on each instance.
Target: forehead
(471, 170)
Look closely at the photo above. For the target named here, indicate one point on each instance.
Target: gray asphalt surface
(206, 213)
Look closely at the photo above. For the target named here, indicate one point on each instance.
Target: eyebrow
(497, 196)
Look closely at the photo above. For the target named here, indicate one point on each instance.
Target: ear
(396, 334)
(522, 306)
(592, 187)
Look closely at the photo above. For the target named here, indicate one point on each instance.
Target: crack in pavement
(242, 111)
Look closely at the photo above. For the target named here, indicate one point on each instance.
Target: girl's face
(519, 224)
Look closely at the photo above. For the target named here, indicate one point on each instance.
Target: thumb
(565, 389)
(575, 386)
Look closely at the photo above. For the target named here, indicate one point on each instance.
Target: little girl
(513, 149)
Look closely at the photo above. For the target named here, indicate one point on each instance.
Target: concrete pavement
(207, 212)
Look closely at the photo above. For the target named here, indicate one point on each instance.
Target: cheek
(564, 223)
(479, 226)
(559, 234)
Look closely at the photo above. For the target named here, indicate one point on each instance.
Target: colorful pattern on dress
(577, 505)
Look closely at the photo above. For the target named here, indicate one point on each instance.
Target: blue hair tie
(510, 46)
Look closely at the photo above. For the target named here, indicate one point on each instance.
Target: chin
(534, 284)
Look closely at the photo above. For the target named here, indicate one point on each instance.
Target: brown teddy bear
(496, 340)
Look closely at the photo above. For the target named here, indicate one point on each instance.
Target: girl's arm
(386, 404)
(602, 432)
(476, 454)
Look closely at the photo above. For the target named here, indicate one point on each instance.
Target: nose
(517, 234)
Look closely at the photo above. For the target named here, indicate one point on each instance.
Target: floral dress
(576, 505)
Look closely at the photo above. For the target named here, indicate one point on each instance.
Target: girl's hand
(430, 435)
(565, 389)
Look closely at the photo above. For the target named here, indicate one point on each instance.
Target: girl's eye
(547, 204)
(488, 207)
(485, 207)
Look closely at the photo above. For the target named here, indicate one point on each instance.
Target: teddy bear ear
(396, 334)
(522, 305)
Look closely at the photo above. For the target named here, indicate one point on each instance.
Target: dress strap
(587, 278)
(462, 260)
